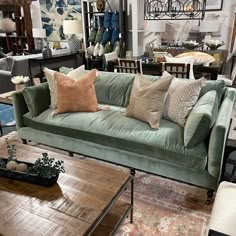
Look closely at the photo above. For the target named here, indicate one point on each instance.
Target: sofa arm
(5, 82)
(219, 134)
(20, 108)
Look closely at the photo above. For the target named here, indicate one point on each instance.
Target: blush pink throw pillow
(76, 95)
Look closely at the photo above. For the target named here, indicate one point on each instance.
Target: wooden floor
(70, 207)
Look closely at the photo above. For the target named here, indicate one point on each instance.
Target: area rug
(161, 206)
(6, 114)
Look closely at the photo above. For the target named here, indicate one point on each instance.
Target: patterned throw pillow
(146, 100)
(52, 83)
(76, 95)
(181, 97)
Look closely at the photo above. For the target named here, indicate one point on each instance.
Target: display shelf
(22, 39)
(88, 13)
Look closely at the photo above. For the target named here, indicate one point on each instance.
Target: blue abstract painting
(54, 12)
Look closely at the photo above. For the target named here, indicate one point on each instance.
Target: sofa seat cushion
(112, 128)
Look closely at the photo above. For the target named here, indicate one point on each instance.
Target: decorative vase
(149, 49)
(47, 52)
(20, 87)
(101, 5)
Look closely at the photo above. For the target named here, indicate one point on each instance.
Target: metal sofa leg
(71, 154)
(210, 193)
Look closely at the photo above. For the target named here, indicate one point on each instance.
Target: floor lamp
(208, 27)
(73, 27)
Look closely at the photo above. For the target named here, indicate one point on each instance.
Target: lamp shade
(155, 26)
(39, 33)
(72, 27)
(209, 26)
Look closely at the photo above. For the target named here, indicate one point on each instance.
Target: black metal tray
(21, 176)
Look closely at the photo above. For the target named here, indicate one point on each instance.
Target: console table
(54, 62)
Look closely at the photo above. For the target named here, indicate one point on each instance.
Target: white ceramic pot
(20, 87)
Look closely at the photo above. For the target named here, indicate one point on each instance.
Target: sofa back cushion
(37, 98)
(201, 119)
(217, 85)
(114, 88)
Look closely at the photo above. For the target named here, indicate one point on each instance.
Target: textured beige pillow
(181, 97)
(76, 95)
(146, 100)
(52, 83)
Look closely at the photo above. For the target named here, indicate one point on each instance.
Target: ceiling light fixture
(174, 9)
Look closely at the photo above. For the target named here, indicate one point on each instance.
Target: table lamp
(208, 27)
(157, 27)
(39, 34)
(73, 27)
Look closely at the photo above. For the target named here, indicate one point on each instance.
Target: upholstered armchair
(6, 65)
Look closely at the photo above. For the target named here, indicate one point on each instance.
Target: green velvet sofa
(111, 136)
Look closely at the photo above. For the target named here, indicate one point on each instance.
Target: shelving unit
(21, 40)
(88, 13)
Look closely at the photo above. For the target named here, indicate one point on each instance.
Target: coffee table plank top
(69, 207)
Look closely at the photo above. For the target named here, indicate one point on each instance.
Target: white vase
(20, 87)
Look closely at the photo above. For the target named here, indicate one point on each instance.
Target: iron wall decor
(174, 9)
(214, 5)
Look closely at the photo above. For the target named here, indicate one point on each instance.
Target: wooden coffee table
(85, 200)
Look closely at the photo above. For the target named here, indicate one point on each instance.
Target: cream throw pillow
(199, 57)
(146, 100)
(182, 96)
(52, 83)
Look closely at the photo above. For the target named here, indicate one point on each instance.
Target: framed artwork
(214, 5)
(54, 12)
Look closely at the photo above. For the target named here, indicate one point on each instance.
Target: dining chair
(111, 60)
(179, 70)
(129, 66)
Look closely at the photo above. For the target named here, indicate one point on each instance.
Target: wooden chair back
(179, 70)
(111, 60)
(129, 66)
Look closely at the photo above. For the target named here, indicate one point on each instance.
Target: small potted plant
(45, 171)
(20, 81)
(214, 44)
(191, 45)
(46, 167)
